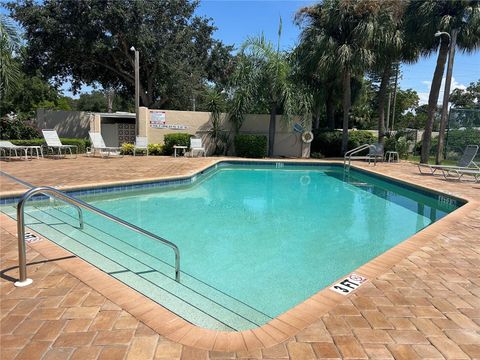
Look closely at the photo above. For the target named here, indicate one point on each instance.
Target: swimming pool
(255, 239)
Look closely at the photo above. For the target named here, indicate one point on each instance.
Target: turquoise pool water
(262, 239)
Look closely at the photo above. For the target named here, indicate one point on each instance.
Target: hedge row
(180, 139)
(329, 143)
(81, 144)
(251, 146)
(153, 149)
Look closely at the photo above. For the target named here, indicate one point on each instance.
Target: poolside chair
(98, 145)
(457, 174)
(141, 143)
(196, 145)
(11, 148)
(53, 142)
(375, 151)
(465, 162)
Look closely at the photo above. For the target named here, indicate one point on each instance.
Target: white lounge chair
(465, 162)
(457, 174)
(11, 148)
(141, 143)
(196, 145)
(53, 142)
(98, 145)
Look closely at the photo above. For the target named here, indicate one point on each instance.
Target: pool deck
(422, 299)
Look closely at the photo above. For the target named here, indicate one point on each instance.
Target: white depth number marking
(347, 285)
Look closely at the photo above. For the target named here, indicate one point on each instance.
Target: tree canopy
(9, 44)
(468, 98)
(89, 41)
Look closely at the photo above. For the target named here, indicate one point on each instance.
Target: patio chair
(53, 142)
(457, 174)
(196, 145)
(141, 143)
(465, 162)
(98, 145)
(375, 151)
(11, 148)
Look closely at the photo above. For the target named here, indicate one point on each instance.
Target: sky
(236, 20)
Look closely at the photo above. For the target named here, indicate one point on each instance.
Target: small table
(175, 147)
(392, 156)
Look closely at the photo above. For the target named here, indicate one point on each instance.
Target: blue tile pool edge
(186, 180)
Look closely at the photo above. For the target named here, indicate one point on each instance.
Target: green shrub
(155, 149)
(390, 143)
(360, 137)
(316, 155)
(170, 140)
(17, 129)
(251, 146)
(127, 149)
(81, 144)
(433, 147)
(402, 147)
(329, 143)
(459, 139)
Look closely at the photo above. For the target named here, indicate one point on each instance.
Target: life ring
(307, 137)
(305, 180)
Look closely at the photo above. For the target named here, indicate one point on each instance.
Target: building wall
(287, 142)
(69, 124)
(77, 124)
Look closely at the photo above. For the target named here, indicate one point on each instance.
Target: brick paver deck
(425, 306)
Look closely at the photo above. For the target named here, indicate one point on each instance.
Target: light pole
(446, 94)
(137, 87)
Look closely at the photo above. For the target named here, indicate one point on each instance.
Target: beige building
(118, 128)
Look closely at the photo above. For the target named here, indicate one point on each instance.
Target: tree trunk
(446, 95)
(271, 129)
(346, 103)
(330, 109)
(316, 118)
(382, 97)
(433, 100)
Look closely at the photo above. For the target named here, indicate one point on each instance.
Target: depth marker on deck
(348, 284)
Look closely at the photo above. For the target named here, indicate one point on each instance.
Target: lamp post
(137, 87)
(446, 94)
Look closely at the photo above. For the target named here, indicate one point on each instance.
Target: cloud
(424, 95)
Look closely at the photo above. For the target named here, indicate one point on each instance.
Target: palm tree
(424, 18)
(264, 75)
(215, 104)
(325, 88)
(9, 43)
(390, 48)
(337, 37)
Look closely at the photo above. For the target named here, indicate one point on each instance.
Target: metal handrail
(349, 153)
(79, 204)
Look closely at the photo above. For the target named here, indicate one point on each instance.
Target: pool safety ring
(305, 180)
(307, 137)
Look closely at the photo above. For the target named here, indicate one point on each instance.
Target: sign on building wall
(158, 120)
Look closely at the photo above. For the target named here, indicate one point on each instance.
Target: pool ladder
(78, 205)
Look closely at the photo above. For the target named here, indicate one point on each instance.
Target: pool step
(192, 299)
